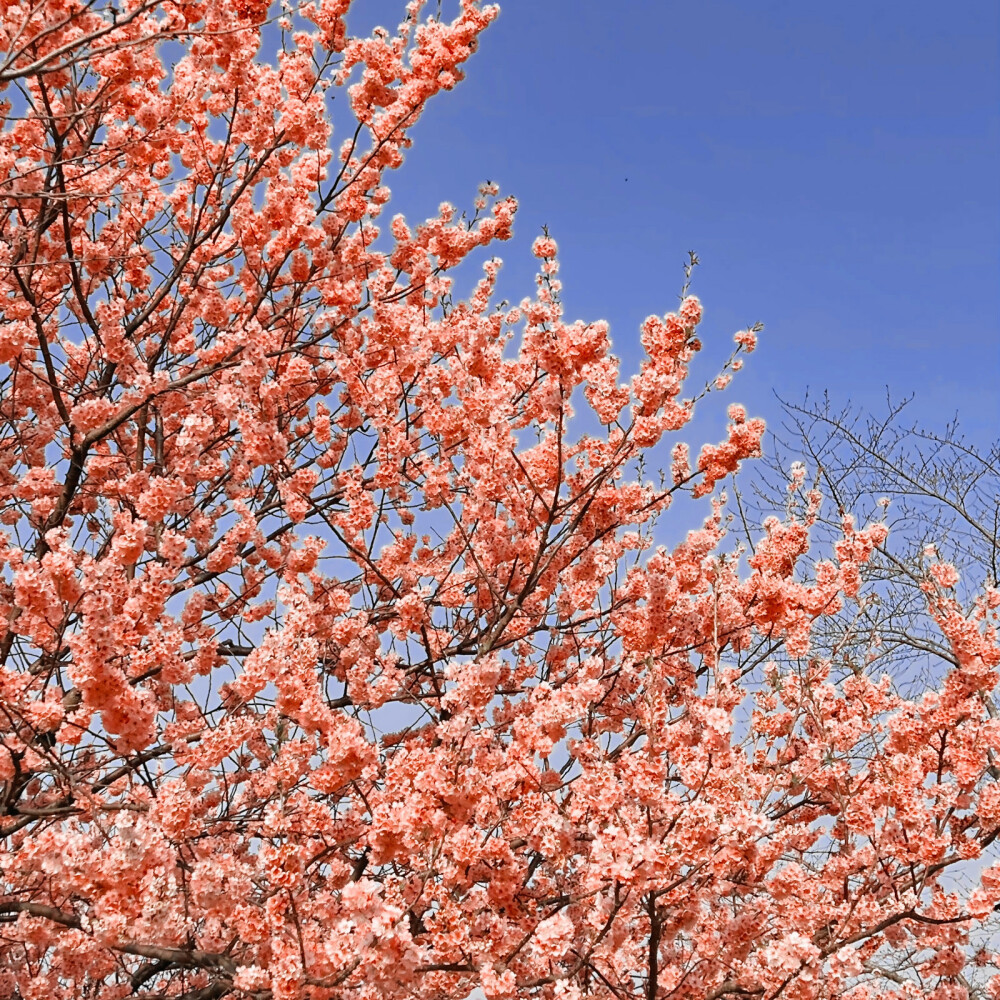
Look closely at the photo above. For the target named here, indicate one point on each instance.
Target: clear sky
(835, 165)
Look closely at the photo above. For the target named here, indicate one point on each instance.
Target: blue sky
(834, 165)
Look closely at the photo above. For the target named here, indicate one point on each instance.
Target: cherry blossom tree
(339, 658)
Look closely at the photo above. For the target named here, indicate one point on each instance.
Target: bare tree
(938, 492)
